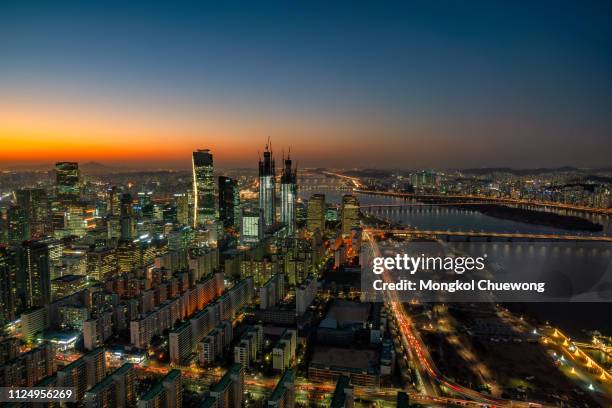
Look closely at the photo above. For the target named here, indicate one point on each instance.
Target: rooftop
(287, 378)
(345, 359)
(349, 313)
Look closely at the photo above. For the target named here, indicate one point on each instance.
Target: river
(572, 317)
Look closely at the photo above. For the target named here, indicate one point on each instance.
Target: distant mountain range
(92, 167)
(536, 171)
(96, 168)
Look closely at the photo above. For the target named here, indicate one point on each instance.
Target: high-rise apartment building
(228, 392)
(203, 188)
(167, 393)
(283, 395)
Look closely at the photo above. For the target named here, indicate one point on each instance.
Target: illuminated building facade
(288, 195)
(67, 181)
(250, 227)
(203, 188)
(35, 204)
(267, 187)
(316, 213)
(127, 227)
(350, 214)
(36, 275)
(8, 277)
(17, 225)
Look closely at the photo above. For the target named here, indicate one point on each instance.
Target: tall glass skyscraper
(203, 188)
(229, 202)
(35, 274)
(67, 180)
(288, 195)
(267, 187)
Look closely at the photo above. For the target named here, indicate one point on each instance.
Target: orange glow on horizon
(40, 132)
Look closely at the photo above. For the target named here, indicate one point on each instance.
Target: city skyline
(393, 86)
(306, 204)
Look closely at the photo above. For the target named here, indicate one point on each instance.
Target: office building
(316, 213)
(251, 226)
(67, 181)
(34, 287)
(203, 188)
(35, 204)
(126, 217)
(350, 214)
(17, 225)
(101, 262)
(229, 202)
(8, 284)
(181, 201)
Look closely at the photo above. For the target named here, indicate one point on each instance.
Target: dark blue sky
(386, 84)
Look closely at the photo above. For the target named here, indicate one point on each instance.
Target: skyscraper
(181, 201)
(67, 181)
(17, 224)
(350, 213)
(35, 274)
(112, 201)
(229, 202)
(288, 195)
(35, 204)
(8, 277)
(203, 187)
(267, 187)
(126, 217)
(316, 213)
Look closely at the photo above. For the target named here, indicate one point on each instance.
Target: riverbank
(568, 222)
